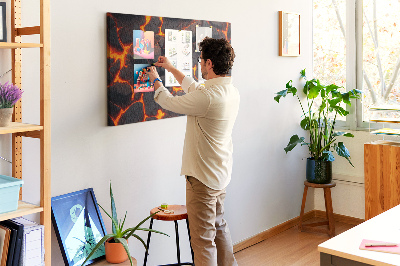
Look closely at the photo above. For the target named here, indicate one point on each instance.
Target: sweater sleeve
(190, 85)
(195, 103)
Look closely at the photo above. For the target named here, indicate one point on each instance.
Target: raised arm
(165, 63)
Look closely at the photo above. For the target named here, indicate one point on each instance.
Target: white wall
(143, 160)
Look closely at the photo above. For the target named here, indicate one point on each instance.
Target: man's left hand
(152, 72)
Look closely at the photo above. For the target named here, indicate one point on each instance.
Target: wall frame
(289, 34)
(78, 226)
(3, 22)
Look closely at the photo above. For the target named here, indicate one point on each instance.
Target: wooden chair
(180, 213)
(311, 227)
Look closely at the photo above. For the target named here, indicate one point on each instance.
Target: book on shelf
(13, 260)
(4, 243)
(11, 245)
(32, 250)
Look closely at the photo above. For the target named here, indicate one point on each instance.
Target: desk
(344, 248)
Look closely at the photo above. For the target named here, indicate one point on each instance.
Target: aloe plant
(320, 124)
(119, 234)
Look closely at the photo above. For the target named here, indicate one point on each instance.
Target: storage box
(9, 193)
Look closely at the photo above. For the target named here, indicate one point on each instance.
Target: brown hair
(220, 52)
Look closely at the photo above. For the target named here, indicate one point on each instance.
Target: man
(207, 155)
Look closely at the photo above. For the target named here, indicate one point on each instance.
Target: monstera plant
(324, 103)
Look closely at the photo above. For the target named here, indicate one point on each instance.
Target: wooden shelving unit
(9, 45)
(19, 129)
(24, 208)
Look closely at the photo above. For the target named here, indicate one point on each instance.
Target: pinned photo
(201, 33)
(143, 44)
(178, 49)
(142, 80)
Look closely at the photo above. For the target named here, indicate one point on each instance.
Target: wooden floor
(290, 247)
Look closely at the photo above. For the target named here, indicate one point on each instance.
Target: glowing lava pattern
(125, 106)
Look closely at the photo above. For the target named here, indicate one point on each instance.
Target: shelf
(386, 120)
(16, 127)
(24, 208)
(385, 107)
(9, 45)
(387, 131)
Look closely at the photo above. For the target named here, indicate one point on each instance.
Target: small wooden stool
(180, 213)
(328, 207)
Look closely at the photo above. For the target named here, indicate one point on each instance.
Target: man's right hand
(165, 63)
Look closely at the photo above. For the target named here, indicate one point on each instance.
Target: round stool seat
(308, 184)
(180, 213)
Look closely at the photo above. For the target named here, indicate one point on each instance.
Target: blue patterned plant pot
(319, 172)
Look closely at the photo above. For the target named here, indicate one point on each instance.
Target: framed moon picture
(78, 226)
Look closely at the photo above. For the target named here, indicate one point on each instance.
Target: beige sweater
(211, 113)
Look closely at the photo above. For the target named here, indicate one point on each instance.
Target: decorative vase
(319, 172)
(115, 252)
(6, 116)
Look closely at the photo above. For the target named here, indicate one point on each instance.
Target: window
(363, 53)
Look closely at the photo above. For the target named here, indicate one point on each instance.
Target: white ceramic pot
(5, 116)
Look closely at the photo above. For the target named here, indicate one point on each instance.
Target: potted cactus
(116, 243)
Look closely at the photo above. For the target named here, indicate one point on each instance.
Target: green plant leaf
(338, 133)
(140, 239)
(152, 230)
(305, 123)
(346, 98)
(113, 211)
(122, 224)
(101, 242)
(343, 151)
(314, 92)
(322, 106)
(341, 111)
(303, 73)
(355, 93)
(126, 247)
(323, 93)
(327, 156)
(331, 88)
(294, 140)
(309, 85)
(130, 231)
(334, 102)
(138, 225)
(114, 222)
(280, 94)
(349, 135)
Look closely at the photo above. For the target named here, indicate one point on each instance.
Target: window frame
(354, 70)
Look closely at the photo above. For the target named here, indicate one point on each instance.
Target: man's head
(217, 55)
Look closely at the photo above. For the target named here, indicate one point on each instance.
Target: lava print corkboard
(135, 42)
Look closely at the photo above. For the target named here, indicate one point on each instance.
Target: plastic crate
(9, 193)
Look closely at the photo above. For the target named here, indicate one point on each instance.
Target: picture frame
(289, 34)
(3, 22)
(78, 226)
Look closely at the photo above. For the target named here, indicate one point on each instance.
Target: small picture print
(142, 80)
(143, 44)
(201, 33)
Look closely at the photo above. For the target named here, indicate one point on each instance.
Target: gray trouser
(210, 236)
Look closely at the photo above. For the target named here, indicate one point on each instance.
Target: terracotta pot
(115, 252)
(5, 116)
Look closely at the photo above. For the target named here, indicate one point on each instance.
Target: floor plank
(288, 248)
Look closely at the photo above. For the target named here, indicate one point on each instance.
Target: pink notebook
(393, 249)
